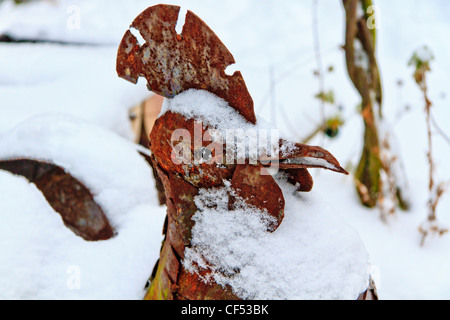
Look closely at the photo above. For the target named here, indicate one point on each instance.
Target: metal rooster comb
(174, 63)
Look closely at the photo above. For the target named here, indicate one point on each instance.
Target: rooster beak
(301, 156)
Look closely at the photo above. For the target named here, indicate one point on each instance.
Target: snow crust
(39, 254)
(424, 54)
(314, 254)
(206, 107)
(311, 161)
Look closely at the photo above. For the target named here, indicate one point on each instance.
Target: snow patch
(361, 58)
(424, 54)
(310, 161)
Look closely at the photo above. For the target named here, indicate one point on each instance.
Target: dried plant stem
(435, 192)
(429, 137)
(390, 189)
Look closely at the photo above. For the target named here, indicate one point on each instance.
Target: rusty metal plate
(67, 196)
(259, 190)
(173, 63)
(300, 178)
(180, 206)
(201, 174)
(305, 156)
(192, 287)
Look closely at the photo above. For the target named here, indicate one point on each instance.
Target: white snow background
(265, 37)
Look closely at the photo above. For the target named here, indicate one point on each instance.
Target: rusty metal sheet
(295, 156)
(180, 209)
(201, 174)
(173, 63)
(259, 190)
(300, 178)
(67, 196)
(177, 237)
(171, 264)
(192, 287)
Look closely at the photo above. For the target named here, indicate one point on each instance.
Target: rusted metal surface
(192, 287)
(173, 63)
(202, 174)
(305, 156)
(181, 207)
(208, 173)
(258, 190)
(66, 195)
(300, 178)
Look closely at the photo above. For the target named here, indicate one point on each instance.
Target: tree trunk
(363, 71)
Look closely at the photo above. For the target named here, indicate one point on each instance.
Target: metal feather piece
(66, 195)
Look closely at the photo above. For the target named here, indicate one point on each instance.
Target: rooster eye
(202, 154)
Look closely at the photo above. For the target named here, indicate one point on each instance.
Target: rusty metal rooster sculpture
(196, 59)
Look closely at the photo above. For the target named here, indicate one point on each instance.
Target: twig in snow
(421, 61)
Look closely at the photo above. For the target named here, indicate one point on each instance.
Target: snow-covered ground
(41, 258)
(272, 41)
